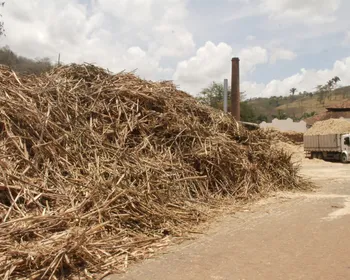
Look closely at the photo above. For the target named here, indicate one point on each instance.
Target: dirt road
(289, 236)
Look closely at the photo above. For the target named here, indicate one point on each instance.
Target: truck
(328, 147)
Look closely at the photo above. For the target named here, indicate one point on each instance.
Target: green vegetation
(22, 64)
(296, 106)
(214, 97)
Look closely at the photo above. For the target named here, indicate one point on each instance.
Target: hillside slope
(299, 106)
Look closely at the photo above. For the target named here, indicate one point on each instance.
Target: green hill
(298, 106)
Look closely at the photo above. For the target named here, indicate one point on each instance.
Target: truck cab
(345, 147)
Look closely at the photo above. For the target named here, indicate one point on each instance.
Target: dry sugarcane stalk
(98, 169)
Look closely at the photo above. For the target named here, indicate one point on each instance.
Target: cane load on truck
(329, 140)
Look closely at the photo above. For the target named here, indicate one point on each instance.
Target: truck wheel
(320, 156)
(343, 158)
(312, 155)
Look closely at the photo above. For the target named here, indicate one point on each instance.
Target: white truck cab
(345, 140)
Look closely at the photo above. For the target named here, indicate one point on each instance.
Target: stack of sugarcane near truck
(328, 140)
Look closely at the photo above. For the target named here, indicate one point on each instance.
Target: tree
(324, 91)
(330, 84)
(282, 115)
(213, 96)
(2, 29)
(307, 115)
(22, 64)
(335, 80)
(247, 112)
(293, 90)
(320, 91)
(261, 118)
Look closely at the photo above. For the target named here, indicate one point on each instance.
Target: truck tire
(343, 158)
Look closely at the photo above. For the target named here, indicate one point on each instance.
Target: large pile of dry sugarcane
(96, 169)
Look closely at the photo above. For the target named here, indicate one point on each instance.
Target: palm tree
(330, 84)
(335, 80)
(293, 91)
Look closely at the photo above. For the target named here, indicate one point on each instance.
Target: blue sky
(281, 43)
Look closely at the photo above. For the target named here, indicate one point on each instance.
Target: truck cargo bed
(323, 143)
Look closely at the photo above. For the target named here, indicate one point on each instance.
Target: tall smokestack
(235, 92)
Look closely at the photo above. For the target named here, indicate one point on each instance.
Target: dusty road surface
(290, 236)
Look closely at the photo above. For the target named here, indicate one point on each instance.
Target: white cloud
(136, 12)
(252, 89)
(303, 80)
(282, 54)
(246, 9)
(118, 35)
(296, 11)
(213, 63)
(250, 58)
(307, 11)
(159, 23)
(172, 41)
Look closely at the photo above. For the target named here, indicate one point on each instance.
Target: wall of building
(286, 125)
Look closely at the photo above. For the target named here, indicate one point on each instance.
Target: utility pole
(225, 94)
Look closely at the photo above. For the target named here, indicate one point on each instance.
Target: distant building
(341, 111)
